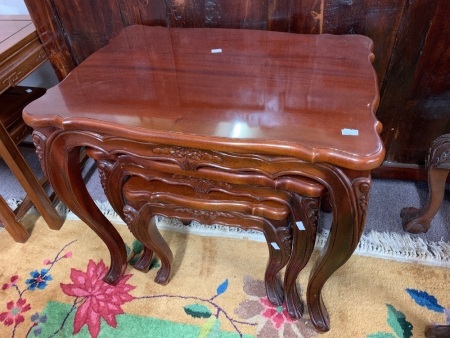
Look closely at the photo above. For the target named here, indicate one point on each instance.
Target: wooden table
(21, 51)
(220, 101)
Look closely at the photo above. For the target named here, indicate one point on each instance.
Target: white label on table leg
(300, 226)
(275, 246)
(216, 50)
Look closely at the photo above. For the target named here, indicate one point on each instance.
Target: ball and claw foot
(413, 222)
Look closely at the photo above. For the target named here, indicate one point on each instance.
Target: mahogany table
(230, 102)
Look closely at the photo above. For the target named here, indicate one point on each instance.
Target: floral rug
(52, 287)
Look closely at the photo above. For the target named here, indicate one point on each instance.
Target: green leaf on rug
(211, 329)
(137, 247)
(397, 321)
(381, 335)
(197, 311)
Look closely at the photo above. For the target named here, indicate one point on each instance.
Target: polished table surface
(282, 93)
(235, 103)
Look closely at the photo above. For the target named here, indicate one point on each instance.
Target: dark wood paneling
(50, 30)
(305, 16)
(432, 78)
(377, 19)
(89, 25)
(416, 92)
(412, 53)
(151, 12)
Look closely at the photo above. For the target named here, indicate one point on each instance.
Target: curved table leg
(438, 331)
(145, 261)
(418, 220)
(305, 219)
(61, 163)
(349, 202)
(142, 224)
(279, 242)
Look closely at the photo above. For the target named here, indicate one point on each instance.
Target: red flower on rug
(271, 320)
(100, 300)
(14, 313)
(277, 314)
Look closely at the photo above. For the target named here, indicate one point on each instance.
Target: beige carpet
(51, 288)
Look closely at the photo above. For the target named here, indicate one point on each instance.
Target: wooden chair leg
(16, 229)
(15, 161)
(416, 220)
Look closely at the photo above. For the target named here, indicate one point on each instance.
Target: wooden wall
(411, 46)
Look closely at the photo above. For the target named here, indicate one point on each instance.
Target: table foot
(413, 221)
(318, 312)
(144, 262)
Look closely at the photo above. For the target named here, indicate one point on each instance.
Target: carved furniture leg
(349, 202)
(15, 161)
(16, 229)
(62, 166)
(279, 242)
(438, 165)
(305, 220)
(142, 224)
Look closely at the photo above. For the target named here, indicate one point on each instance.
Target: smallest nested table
(245, 107)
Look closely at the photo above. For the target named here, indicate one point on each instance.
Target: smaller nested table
(251, 107)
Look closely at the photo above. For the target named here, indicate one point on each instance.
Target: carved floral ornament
(439, 154)
(188, 153)
(202, 185)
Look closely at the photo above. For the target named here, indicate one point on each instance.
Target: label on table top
(217, 50)
(349, 132)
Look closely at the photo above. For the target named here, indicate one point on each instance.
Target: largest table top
(312, 97)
